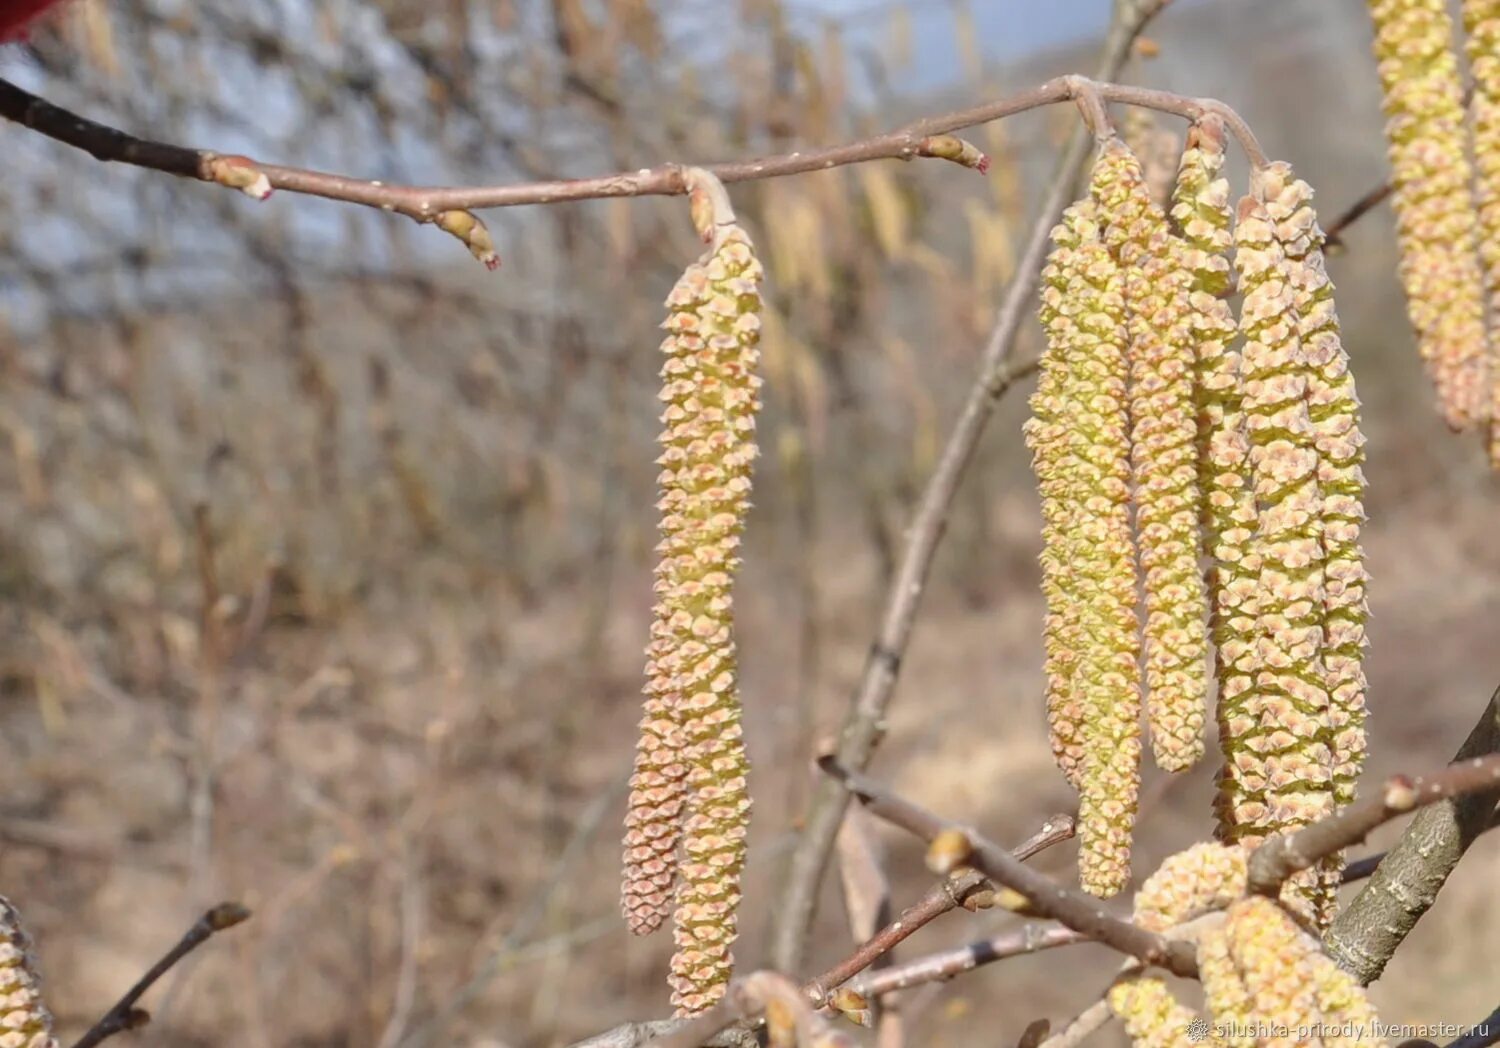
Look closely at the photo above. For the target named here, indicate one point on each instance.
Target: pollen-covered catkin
(25, 1021)
(1187, 885)
(710, 393)
(1333, 410)
(1081, 444)
(1163, 453)
(1201, 212)
(1482, 36)
(1275, 735)
(1434, 205)
(1151, 1015)
(1262, 974)
(1049, 435)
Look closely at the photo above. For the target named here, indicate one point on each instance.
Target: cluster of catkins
(1447, 211)
(689, 809)
(1261, 969)
(1162, 431)
(25, 1021)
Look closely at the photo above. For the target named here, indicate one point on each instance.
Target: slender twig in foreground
(1281, 856)
(1047, 898)
(788, 1012)
(945, 895)
(1356, 211)
(1090, 1021)
(945, 964)
(125, 1015)
(426, 203)
(861, 730)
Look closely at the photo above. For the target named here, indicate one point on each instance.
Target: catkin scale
(25, 1021)
(1080, 441)
(1163, 449)
(1433, 201)
(1482, 41)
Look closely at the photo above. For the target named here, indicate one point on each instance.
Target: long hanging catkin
(1201, 212)
(1434, 204)
(1333, 410)
(692, 744)
(1164, 455)
(25, 1021)
(1482, 28)
(1080, 443)
(1275, 735)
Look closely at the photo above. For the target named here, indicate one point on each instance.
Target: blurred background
(325, 555)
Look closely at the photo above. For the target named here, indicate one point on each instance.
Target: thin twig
(1046, 897)
(427, 203)
(945, 895)
(1285, 854)
(862, 727)
(1089, 1022)
(1357, 210)
(945, 964)
(125, 1015)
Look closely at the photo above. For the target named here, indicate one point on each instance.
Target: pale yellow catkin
(1275, 735)
(1201, 212)
(1164, 455)
(1333, 410)
(1080, 440)
(1434, 203)
(1187, 885)
(1268, 984)
(1482, 39)
(25, 1021)
(710, 389)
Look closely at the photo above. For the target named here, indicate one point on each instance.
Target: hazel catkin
(1434, 205)
(1482, 41)
(689, 805)
(1275, 735)
(1263, 974)
(25, 1021)
(1080, 441)
(1163, 450)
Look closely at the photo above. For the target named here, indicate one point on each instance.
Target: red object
(16, 15)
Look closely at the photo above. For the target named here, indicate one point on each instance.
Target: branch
(427, 203)
(963, 889)
(125, 1015)
(1367, 932)
(1045, 897)
(1285, 854)
(787, 1009)
(945, 964)
(861, 730)
(945, 895)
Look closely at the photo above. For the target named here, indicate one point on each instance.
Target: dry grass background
(329, 594)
